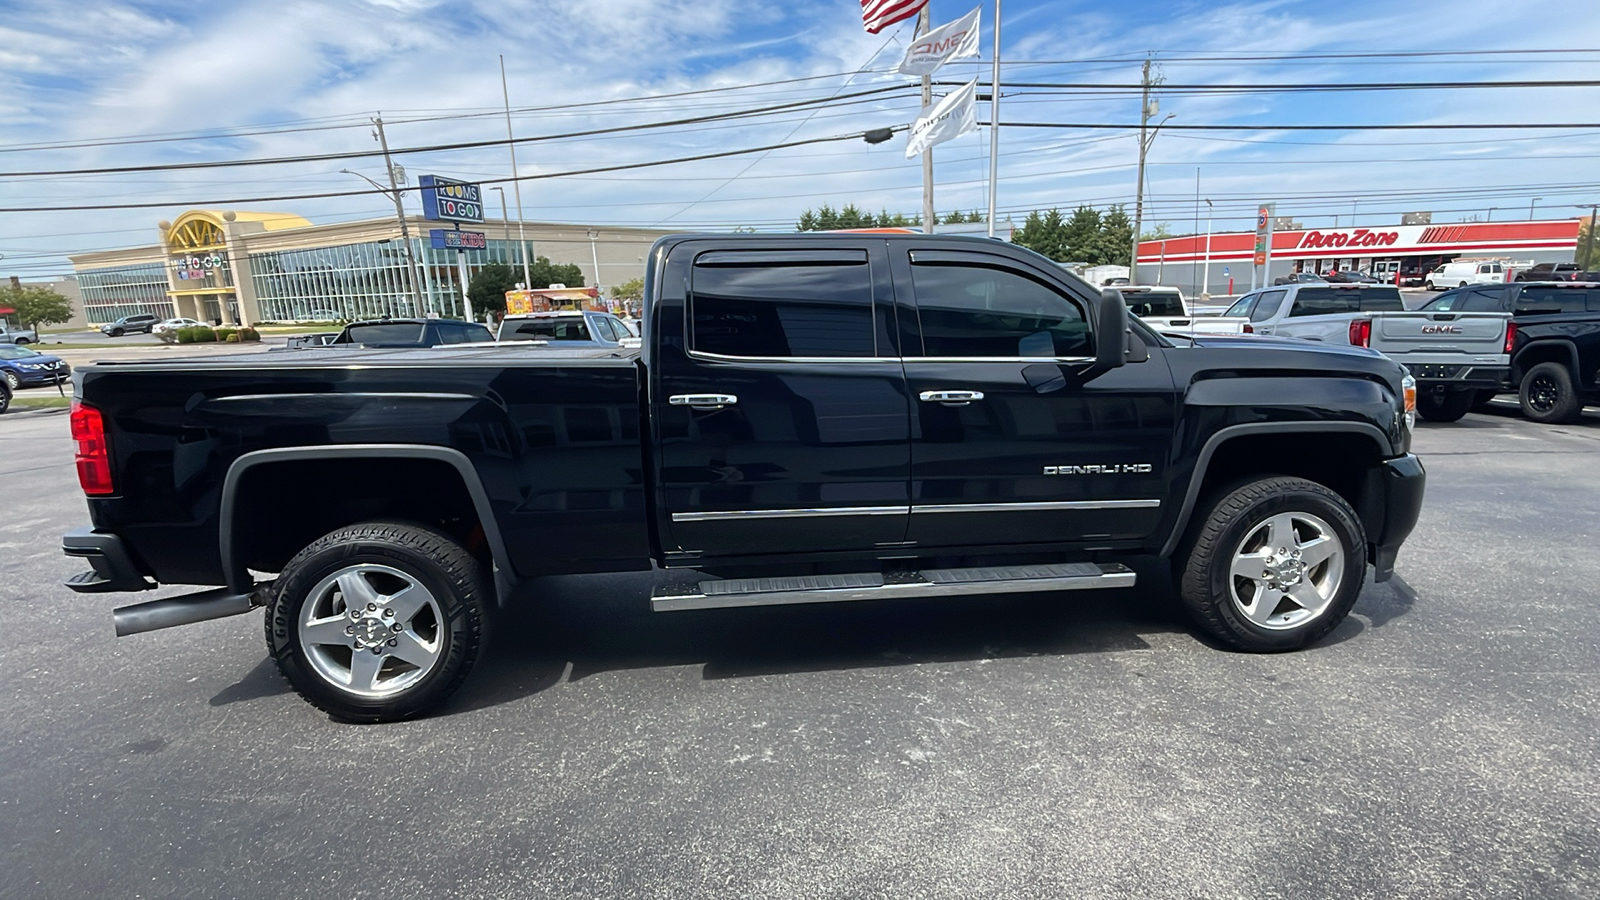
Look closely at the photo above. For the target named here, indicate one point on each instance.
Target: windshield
(1154, 303)
(383, 333)
(568, 329)
(10, 352)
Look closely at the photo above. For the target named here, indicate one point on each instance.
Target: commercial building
(1386, 251)
(239, 267)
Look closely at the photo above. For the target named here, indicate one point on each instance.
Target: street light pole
(594, 256)
(516, 182)
(1205, 280)
(1530, 207)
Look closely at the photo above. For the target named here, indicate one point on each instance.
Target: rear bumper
(1459, 376)
(112, 568)
(1403, 480)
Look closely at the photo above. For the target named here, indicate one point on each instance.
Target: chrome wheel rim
(13, 380)
(1286, 571)
(371, 630)
(1542, 393)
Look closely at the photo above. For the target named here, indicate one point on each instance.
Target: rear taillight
(1248, 329)
(1511, 336)
(1361, 332)
(94, 454)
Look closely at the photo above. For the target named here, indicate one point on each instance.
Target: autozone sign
(1355, 237)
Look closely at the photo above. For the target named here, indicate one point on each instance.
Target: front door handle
(702, 401)
(950, 398)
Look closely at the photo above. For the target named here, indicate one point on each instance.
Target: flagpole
(927, 155)
(994, 117)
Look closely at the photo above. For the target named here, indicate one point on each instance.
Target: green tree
(36, 305)
(1116, 234)
(629, 290)
(1162, 230)
(1081, 234)
(1590, 260)
(1044, 234)
(488, 287)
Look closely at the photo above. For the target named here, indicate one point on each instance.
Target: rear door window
(1544, 300)
(1154, 303)
(1320, 301)
(978, 310)
(784, 305)
(604, 328)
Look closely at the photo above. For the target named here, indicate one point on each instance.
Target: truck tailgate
(1197, 324)
(1403, 335)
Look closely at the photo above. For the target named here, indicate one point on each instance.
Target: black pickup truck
(810, 418)
(1554, 342)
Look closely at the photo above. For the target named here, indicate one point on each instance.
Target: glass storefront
(367, 280)
(116, 291)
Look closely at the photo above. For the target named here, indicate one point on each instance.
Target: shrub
(232, 338)
(249, 334)
(204, 334)
(186, 335)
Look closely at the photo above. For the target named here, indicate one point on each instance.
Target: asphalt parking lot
(1441, 743)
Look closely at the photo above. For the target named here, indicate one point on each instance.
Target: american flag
(876, 15)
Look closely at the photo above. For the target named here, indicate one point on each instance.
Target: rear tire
(378, 622)
(1448, 406)
(1547, 395)
(23, 340)
(1243, 591)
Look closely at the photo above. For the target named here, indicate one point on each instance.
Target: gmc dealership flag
(953, 116)
(876, 15)
(932, 50)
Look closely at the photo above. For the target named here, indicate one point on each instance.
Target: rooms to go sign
(447, 200)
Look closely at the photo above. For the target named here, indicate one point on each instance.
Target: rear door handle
(950, 398)
(702, 401)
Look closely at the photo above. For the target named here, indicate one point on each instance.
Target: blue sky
(99, 69)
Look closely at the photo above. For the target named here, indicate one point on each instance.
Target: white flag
(930, 51)
(953, 116)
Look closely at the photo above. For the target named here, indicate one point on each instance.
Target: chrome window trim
(790, 513)
(1004, 359)
(1033, 506)
(702, 354)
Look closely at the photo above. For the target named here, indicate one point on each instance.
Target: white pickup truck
(1165, 310)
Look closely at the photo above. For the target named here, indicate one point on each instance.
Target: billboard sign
(447, 239)
(448, 200)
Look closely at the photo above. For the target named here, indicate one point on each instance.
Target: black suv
(130, 324)
(1551, 272)
(411, 333)
(1555, 357)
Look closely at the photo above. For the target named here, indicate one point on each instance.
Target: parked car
(411, 333)
(173, 325)
(1555, 356)
(568, 328)
(763, 447)
(1552, 272)
(1350, 276)
(9, 335)
(1298, 278)
(130, 325)
(1464, 272)
(1165, 310)
(1316, 311)
(22, 367)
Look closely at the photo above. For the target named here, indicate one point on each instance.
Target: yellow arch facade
(201, 265)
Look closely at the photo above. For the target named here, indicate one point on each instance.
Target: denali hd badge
(1112, 469)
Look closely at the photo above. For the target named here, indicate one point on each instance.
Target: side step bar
(721, 593)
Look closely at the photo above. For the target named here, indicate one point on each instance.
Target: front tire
(1446, 406)
(12, 381)
(378, 622)
(1547, 396)
(1275, 565)
(116, 332)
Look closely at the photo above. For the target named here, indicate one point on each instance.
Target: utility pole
(994, 117)
(927, 154)
(516, 183)
(399, 212)
(1145, 112)
(594, 256)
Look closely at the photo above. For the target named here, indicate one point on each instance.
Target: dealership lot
(1439, 744)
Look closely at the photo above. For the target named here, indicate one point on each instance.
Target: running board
(717, 594)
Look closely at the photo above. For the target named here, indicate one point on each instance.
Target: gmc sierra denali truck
(811, 418)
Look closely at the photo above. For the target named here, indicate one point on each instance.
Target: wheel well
(281, 507)
(1541, 352)
(1344, 462)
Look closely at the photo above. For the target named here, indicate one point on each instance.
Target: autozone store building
(1408, 251)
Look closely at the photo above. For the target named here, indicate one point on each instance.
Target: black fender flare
(1518, 370)
(238, 577)
(1197, 478)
